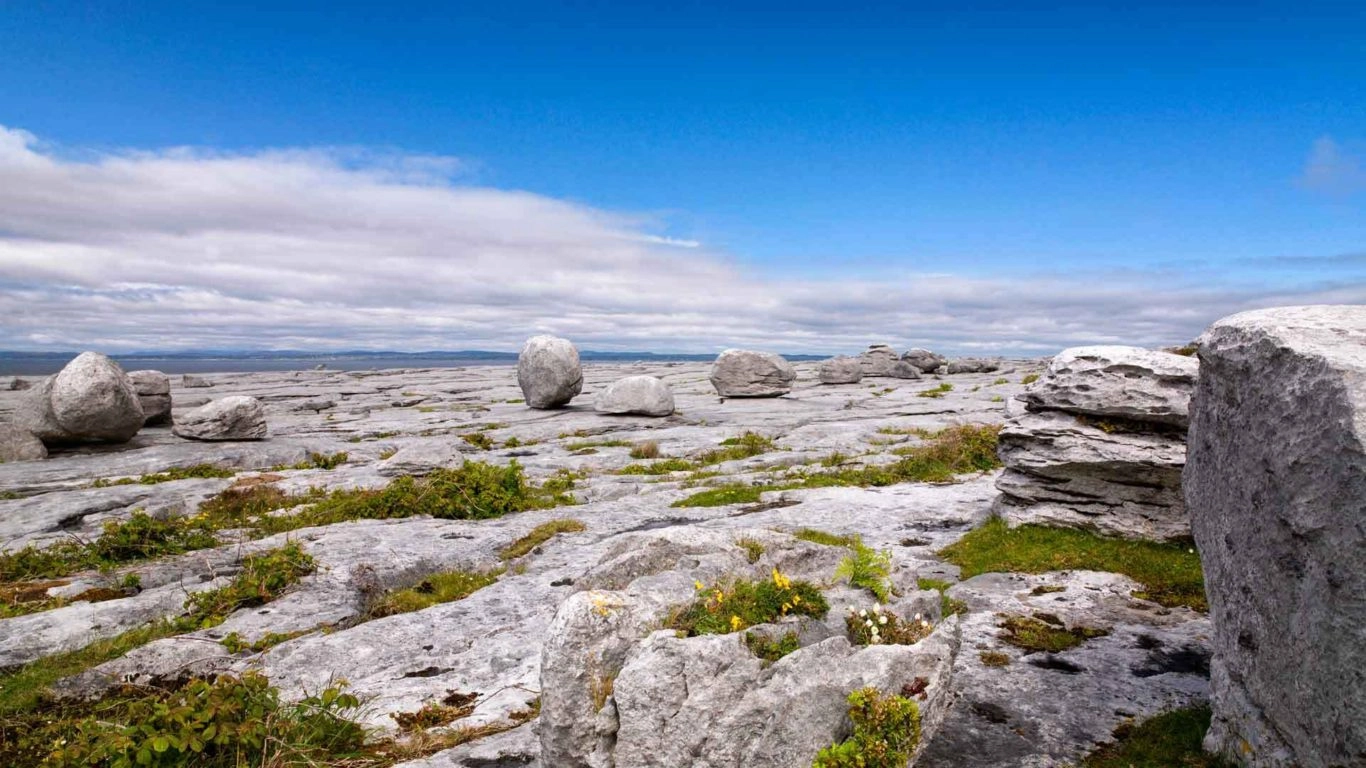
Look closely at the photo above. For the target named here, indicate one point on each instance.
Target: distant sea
(44, 363)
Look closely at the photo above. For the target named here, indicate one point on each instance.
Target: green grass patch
(824, 538)
(948, 606)
(443, 587)
(1169, 740)
(479, 440)
(1033, 634)
(936, 392)
(1169, 572)
(585, 444)
(738, 604)
(754, 549)
(172, 474)
(538, 536)
(328, 461)
(661, 467)
(723, 495)
(1029, 379)
(140, 537)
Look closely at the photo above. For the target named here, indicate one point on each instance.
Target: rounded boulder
(746, 373)
(840, 370)
(640, 395)
(548, 372)
(90, 400)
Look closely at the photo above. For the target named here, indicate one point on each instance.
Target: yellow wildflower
(736, 623)
(698, 586)
(780, 581)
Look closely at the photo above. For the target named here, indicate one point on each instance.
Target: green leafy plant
(867, 568)
(754, 549)
(886, 732)
(174, 473)
(479, 440)
(140, 537)
(771, 650)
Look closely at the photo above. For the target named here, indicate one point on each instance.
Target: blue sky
(1204, 147)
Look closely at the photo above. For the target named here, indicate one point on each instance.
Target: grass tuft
(1169, 740)
(443, 587)
(538, 536)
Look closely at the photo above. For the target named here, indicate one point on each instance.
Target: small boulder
(745, 373)
(194, 382)
(154, 393)
(548, 372)
(18, 385)
(973, 365)
(1123, 382)
(878, 360)
(642, 395)
(230, 418)
(20, 445)
(925, 360)
(90, 400)
(840, 370)
(903, 370)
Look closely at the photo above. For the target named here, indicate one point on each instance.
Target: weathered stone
(1276, 483)
(18, 385)
(1060, 470)
(641, 395)
(90, 400)
(840, 370)
(18, 444)
(925, 360)
(878, 360)
(745, 373)
(548, 372)
(973, 365)
(1123, 382)
(154, 393)
(189, 381)
(903, 370)
(230, 418)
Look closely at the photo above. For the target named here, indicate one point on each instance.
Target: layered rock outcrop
(548, 372)
(89, 400)
(1276, 483)
(1101, 444)
(746, 373)
(154, 393)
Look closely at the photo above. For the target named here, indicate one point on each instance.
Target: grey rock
(903, 370)
(840, 370)
(746, 373)
(973, 365)
(878, 360)
(236, 417)
(1061, 470)
(925, 360)
(548, 372)
(189, 381)
(315, 404)
(17, 384)
(90, 400)
(1122, 382)
(640, 395)
(18, 444)
(423, 457)
(154, 393)
(1275, 482)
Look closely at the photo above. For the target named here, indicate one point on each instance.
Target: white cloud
(346, 248)
(1332, 170)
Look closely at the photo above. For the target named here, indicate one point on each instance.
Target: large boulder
(1062, 470)
(548, 372)
(154, 393)
(20, 445)
(90, 400)
(230, 418)
(745, 373)
(878, 360)
(925, 360)
(903, 370)
(1276, 484)
(840, 370)
(1121, 382)
(641, 395)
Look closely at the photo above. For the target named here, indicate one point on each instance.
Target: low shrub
(886, 732)
(739, 604)
(771, 650)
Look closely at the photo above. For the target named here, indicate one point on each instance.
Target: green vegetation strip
(940, 459)
(745, 446)
(538, 536)
(264, 576)
(1169, 740)
(174, 473)
(1169, 573)
(444, 587)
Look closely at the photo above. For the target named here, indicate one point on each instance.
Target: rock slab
(639, 395)
(89, 400)
(1276, 485)
(18, 444)
(230, 418)
(548, 372)
(840, 370)
(1121, 382)
(746, 373)
(154, 393)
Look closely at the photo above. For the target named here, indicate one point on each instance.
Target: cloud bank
(347, 249)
